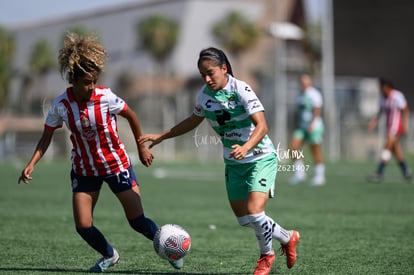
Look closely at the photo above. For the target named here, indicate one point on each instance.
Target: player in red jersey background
(394, 105)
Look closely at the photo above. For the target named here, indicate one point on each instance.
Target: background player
(310, 129)
(236, 114)
(394, 105)
(89, 112)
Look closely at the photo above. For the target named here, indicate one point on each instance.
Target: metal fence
(356, 99)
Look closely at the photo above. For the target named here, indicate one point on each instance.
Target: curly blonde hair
(81, 55)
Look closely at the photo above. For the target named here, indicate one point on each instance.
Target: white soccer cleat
(104, 263)
(318, 181)
(178, 264)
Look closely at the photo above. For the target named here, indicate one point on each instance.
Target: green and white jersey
(307, 101)
(228, 111)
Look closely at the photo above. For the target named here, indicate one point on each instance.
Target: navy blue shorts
(122, 181)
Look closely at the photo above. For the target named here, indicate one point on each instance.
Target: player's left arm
(317, 112)
(145, 154)
(258, 119)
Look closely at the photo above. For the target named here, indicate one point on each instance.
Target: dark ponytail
(217, 56)
(386, 81)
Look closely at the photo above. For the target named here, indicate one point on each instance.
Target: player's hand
(145, 155)
(371, 125)
(155, 138)
(26, 175)
(310, 128)
(238, 152)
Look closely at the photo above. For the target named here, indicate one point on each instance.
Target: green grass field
(348, 226)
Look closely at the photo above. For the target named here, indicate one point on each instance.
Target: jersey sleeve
(316, 99)
(116, 104)
(249, 99)
(198, 108)
(54, 116)
(401, 101)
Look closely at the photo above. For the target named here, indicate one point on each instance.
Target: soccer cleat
(264, 264)
(376, 178)
(178, 264)
(289, 249)
(318, 181)
(105, 263)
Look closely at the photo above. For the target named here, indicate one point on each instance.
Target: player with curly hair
(90, 112)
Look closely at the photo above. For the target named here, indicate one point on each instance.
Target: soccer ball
(172, 242)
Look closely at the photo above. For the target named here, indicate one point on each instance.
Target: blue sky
(19, 12)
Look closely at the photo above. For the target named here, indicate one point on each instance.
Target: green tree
(41, 62)
(42, 59)
(80, 30)
(7, 50)
(158, 36)
(235, 33)
(312, 44)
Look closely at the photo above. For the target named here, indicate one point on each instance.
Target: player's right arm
(41, 148)
(181, 128)
(374, 121)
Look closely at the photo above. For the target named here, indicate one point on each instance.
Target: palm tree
(7, 49)
(312, 44)
(40, 63)
(80, 30)
(158, 36)
(235, 33)
(42, 58)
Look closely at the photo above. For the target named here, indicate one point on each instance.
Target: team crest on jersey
(85, 122)
(232, 102)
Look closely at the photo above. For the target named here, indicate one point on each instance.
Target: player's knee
(144, 226)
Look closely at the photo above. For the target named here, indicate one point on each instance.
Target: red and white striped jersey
(97, 150)
(393, 106)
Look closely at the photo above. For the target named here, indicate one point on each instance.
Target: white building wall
(116, 28)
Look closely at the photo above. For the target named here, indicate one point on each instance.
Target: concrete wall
(375, 38)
